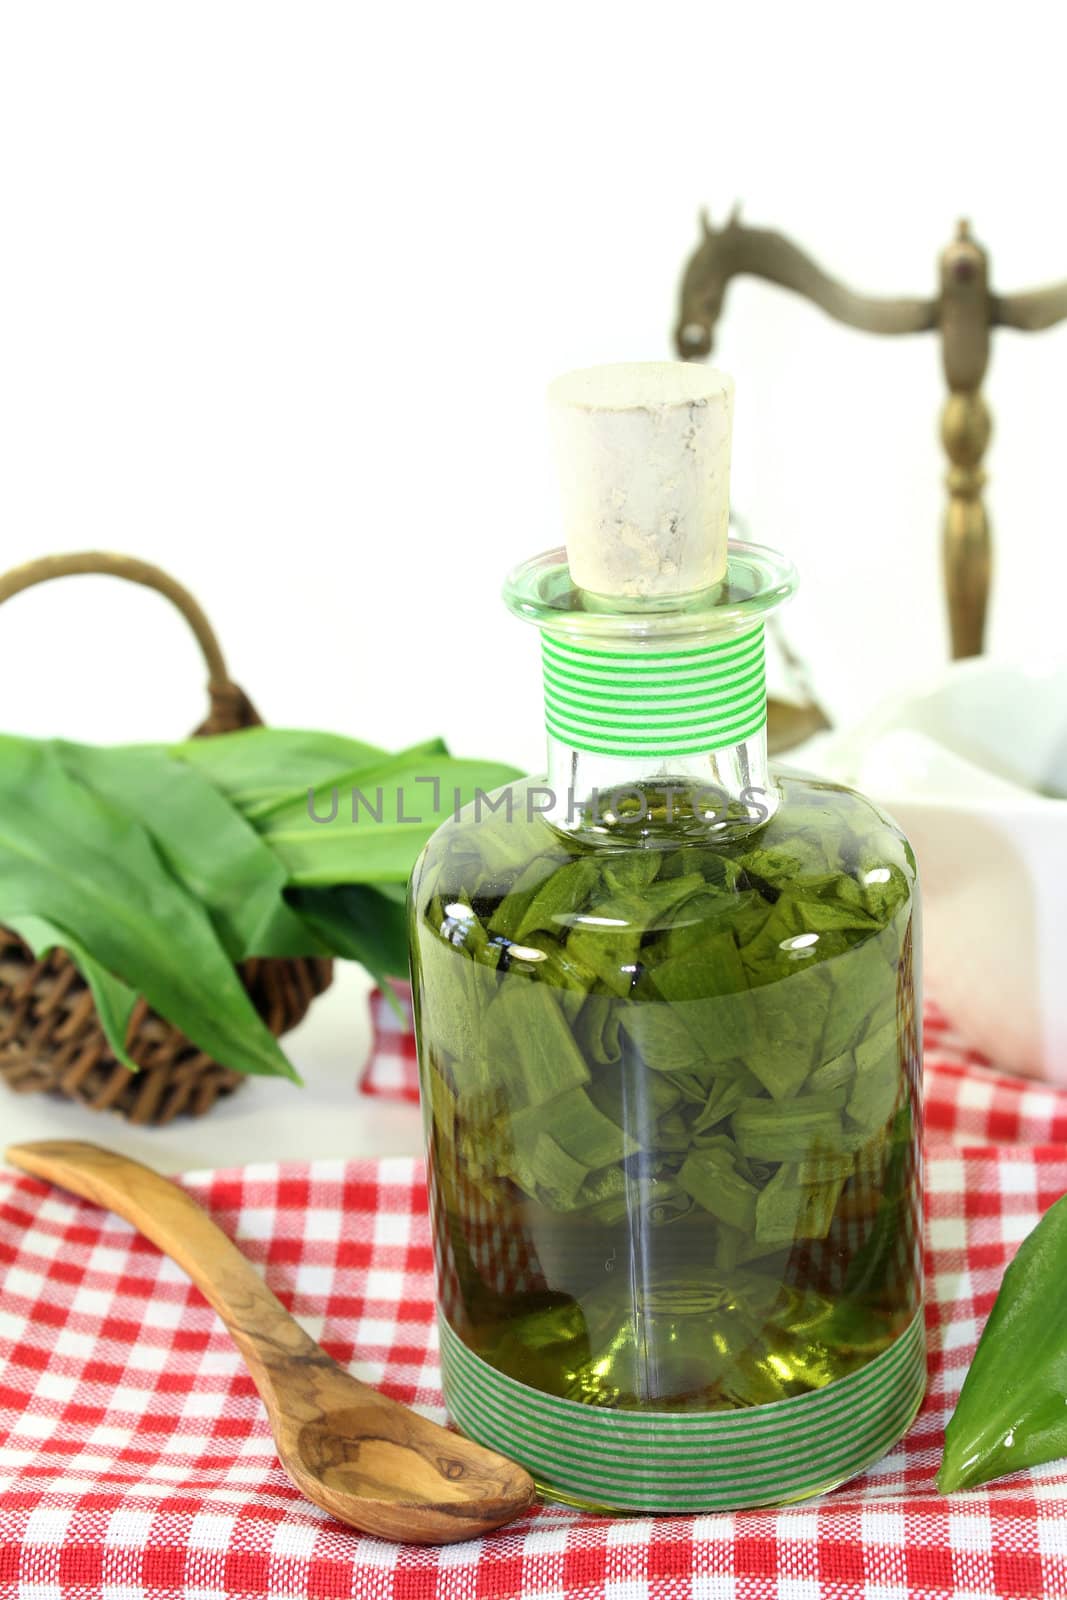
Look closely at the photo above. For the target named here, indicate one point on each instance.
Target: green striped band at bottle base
(657, 702)
(690, 1461)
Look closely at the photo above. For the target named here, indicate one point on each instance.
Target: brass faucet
(963, 312)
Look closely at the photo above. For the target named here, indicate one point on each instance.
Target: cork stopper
(643, 451)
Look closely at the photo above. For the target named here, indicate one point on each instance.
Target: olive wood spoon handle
(362, 1457)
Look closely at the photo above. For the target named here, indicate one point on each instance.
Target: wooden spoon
(364, 1458)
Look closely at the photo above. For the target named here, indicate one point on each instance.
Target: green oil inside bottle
(671, 1085)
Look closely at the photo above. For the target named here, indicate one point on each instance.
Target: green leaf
(631, 870)
(358, 924)
(788, 1209)
(711, 1177)
(608, 934)
(362, 777)
(457, 991)
(558, 900)
(258, 767)
(709, 994)
(663, 1040)
(657, 906)
(892, 1157)
(837, 1073)
(597, 1030)
(787, 1021)
(708, 971)
(726, 1095)
(70, 858)
(790, 1130)
(608, 951)
(513, 906)
(856, 988)
(613, 1093)
(531, 1046)
(879, 1081)
(551, 962)
(204, 842)
(1011, 1412)
(578, 1127)
(357, 847)
(695, 921)
(544, 1170)
(114, 1000)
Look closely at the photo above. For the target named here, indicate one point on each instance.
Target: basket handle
(229, 706)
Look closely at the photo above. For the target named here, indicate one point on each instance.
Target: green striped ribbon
(690, 1461)
(655, 702)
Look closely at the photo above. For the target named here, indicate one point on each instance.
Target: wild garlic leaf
(557, 899)
(1011, 1412)
(837, 1073)
(113, 999)
(545, 1170)
(796, 858)
(891, 1154)
(258, 767)
(578, 1127)
(597, 1030)
(609, 932)
(733, 1084)
(662, 1039)
(712, 969)
(689, 925)
(457, 992)
(635, 1100)
(720, 1022)
(551, 962)
(70, 858)
(631, 870)
(789, 1130)
(787, 1020)
(788, 1209)
(650, 907)
(856, 989)
(876, 1088)
(520, 895)
(711, 1177)
(204, 842)
(422, 759)
(358, 924)
(357, 847)
(530, 1044)
(610, 950)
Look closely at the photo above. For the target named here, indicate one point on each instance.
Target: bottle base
(599, 1508)
(622, 1463)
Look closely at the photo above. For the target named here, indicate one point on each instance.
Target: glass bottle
(667, 1015)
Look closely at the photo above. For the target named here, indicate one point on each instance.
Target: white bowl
(974, 769)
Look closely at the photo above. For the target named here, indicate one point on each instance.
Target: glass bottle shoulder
(825, 873)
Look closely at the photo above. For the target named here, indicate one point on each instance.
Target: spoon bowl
(366, 1459)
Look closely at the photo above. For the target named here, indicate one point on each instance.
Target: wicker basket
(50, 1039)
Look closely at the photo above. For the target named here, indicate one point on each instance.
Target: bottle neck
(649, 739)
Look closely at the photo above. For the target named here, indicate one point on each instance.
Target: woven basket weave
(50, 1039)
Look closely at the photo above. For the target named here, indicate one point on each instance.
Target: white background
(283, 285)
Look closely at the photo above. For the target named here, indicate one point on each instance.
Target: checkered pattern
(135, 1459)
(968, 1101)
(392, 1068)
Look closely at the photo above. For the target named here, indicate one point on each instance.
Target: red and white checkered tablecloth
(135, 1458)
